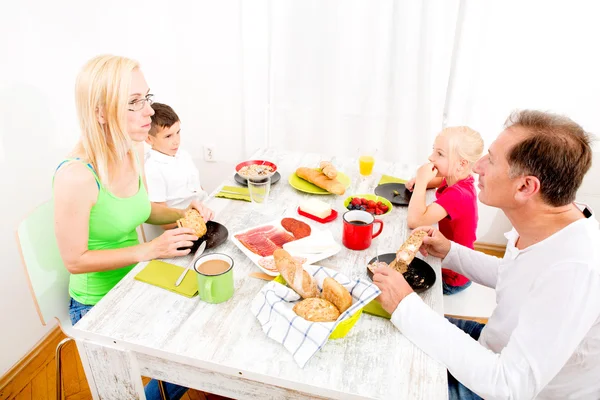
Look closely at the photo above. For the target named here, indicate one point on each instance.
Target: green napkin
(164, 275)
(390, 179)
(374, 308)
(234, 193)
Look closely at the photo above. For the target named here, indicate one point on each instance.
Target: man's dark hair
(556, 150)
(164, 117)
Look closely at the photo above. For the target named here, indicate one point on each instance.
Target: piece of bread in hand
(318, 178)
(328, 169)
(334, 292)
(193, 220)
(317, 310)
(376, 264)
(408, 251)
(295, 276)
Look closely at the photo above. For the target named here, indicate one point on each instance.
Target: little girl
(455, 150)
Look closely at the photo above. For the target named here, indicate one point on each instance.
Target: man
(543, 339)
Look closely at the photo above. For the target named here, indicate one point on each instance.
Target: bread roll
(334, 292)
(317, 310)
(328, 169)
(318, 178)
(295, 276)
(193, 220)
(408, 251)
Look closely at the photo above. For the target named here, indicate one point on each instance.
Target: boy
(171, 175)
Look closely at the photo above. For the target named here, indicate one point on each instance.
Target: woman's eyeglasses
(137, 105)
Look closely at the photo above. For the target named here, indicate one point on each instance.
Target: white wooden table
(139, 329)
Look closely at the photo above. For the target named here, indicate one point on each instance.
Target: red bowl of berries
(371, 203)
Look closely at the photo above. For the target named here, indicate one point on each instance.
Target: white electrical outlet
(209, 153)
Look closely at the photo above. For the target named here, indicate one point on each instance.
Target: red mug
(358, 229)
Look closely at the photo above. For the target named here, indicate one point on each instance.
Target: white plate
(310, 257)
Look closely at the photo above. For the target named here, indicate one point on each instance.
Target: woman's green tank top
(112, 225)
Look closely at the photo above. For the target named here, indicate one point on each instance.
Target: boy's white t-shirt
(173, 180)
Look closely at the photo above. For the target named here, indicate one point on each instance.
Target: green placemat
(164, 275)
(390, 179)
(234, 193)
(374, 308)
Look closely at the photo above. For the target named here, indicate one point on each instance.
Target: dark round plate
(389, 190)
(420, 276)
(215, 235)
(243, 181)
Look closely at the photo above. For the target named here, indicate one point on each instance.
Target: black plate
(215, 235)
(420, 276)
(243, 181)
(387, 190)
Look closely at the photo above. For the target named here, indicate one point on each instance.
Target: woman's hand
(426, 173)
(410, 185)
(166, 245)
(434, 244)
(206, 213)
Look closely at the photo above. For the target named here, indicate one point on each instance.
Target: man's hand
(434, 243)
(426, 173)
(206, 213)
(393, 286)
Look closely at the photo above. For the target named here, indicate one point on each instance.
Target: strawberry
(371, 204)
(371, 210)
(384, 208)
(378, 211)
(355, 201)
(363, 201)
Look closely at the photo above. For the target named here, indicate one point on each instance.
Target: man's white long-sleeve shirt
(543, 339)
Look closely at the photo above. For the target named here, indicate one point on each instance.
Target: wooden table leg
(111, 373)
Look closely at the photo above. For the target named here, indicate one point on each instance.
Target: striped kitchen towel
(273, 305)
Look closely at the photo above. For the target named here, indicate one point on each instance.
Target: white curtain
(345, 74)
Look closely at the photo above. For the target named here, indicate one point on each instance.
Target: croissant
(328, 169)
(295, 276)
(318, 178)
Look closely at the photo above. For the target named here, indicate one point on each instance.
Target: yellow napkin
(164, 275)
(374, 308)
(237, 193)
(390, 179)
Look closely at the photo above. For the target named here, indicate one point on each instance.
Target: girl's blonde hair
(464, 143)
(102, 88)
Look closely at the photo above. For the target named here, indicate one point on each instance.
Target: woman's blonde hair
(464, 143)
(102, 88)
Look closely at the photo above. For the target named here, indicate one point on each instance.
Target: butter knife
(196, 255)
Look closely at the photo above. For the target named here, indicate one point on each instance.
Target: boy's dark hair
(164, 117)
(556, 150)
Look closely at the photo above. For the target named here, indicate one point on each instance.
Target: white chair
(48, 277)
(476, 301)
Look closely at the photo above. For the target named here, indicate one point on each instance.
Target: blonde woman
(100, 192)
(450, 169)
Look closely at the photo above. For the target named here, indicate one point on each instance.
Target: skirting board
(12, 382)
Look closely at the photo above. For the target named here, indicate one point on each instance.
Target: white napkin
(273, 307)
(317, 242)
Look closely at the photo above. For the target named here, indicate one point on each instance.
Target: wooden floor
(37, 381)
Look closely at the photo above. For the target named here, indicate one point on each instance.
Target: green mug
(215, 277)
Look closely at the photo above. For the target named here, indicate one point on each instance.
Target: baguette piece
(328, 169)
(334, 292)
(318, 178)
(408, 251)
(295, 276)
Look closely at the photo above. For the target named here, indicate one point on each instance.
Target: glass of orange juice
(366, 161)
